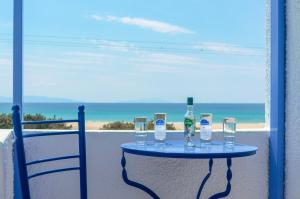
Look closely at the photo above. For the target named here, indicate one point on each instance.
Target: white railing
(6, 164)
(170, 178)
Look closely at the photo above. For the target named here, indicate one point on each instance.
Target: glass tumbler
(229, 131)
(140, 127)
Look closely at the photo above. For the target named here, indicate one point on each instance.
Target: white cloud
(6, 24)
(5, 62)
(122, 46)
(167, 58)
(180, 64)
(97, 17)
(227, 48)
(154, 25)
(87, 54)
(152, 61)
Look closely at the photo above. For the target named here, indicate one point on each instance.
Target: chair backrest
(20, 150)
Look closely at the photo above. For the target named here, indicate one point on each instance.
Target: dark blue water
(245, 113)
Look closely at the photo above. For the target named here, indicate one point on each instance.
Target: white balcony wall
(169, 178)
(6, 165)
(292, 100)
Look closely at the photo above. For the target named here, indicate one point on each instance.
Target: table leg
(205, 179)
(228, 187)
(132, 183)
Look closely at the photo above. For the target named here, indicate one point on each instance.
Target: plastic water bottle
(205, 128)
(160, 127)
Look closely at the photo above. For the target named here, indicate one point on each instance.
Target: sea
(244, 113)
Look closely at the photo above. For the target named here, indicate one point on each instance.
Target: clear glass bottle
(189, 123)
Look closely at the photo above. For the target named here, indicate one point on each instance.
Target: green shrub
(6, 122)
(38, 117)
(118, 126)
(130, 126)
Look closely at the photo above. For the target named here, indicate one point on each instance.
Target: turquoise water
(245, 113)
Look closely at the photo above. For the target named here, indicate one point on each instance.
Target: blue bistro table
(176, 149)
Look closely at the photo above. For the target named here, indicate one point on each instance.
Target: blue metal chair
(22, 164)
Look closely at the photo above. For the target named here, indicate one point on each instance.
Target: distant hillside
(38, 99)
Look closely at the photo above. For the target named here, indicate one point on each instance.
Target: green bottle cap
(190, 101)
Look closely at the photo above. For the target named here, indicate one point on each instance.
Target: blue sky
(139, 50)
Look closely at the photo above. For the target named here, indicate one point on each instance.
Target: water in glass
(229, 130)
(140, 126)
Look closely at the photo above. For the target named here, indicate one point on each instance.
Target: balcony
(272, 173)
(169, 178)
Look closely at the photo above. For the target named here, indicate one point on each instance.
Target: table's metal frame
(155, 196)
(209, 156)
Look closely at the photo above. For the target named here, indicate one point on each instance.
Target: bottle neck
(190, 107)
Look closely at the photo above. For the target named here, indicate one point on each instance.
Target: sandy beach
(98, 125)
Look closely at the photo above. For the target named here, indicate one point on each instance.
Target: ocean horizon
(244, 113)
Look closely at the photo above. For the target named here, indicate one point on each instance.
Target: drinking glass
(229, 131)
(140, 127)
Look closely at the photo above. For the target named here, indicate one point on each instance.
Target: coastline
(98, 125)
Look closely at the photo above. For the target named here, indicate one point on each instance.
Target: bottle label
(205, 132)
(204, 122)
(188, 122)
(160, 130)
(160, 122)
